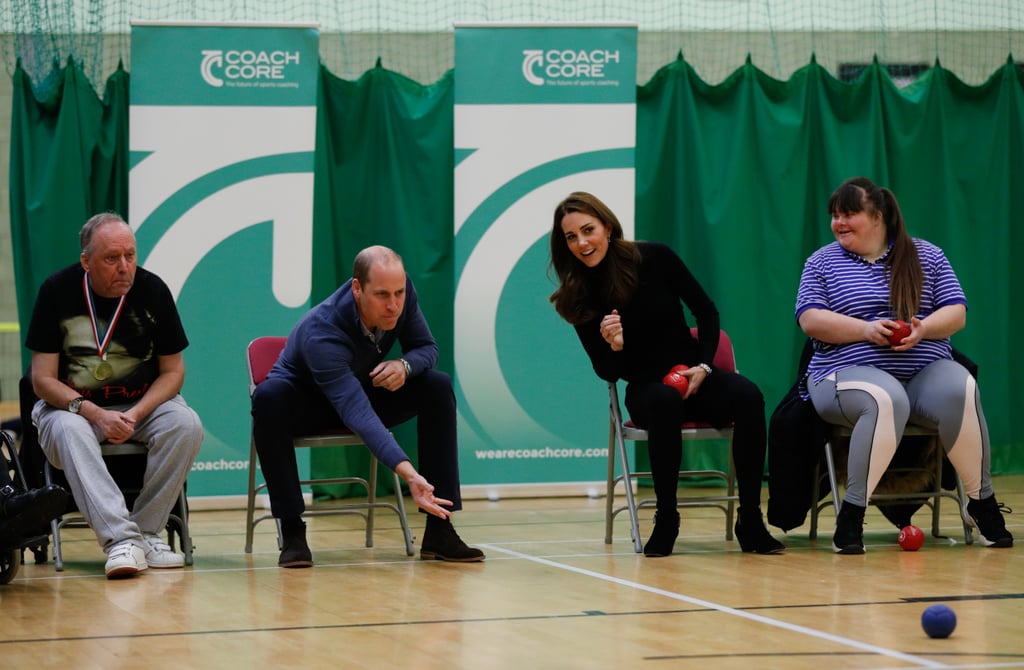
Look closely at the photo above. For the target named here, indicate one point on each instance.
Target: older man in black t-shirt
(106, 343)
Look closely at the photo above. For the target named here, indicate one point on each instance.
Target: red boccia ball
(677, 380)
(911, 538)
(901, 330)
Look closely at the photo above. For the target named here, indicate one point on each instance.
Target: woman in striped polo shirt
(867, 375)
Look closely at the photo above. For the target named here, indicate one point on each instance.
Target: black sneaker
(442, 543)
(849, 535)
(987, 517)
(296, 553)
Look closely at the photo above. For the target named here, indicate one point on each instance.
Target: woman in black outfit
(625, 300)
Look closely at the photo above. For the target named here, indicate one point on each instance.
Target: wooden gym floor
(550, 595)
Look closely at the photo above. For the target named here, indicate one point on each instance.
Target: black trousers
(723, 398)
(282, 410)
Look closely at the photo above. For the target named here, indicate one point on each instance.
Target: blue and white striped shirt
(843, 282)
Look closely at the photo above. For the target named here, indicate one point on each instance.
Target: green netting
(415, 37)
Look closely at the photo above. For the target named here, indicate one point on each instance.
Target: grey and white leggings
(877, 406)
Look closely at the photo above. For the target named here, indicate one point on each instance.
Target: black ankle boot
(753, 536)
(663, 538)
(849, 535)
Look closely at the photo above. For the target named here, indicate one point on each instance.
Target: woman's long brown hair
(573, 299)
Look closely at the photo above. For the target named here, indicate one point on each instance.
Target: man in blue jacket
(332, 370)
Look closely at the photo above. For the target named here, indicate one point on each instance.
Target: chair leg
(609, 515)
(402, 518)
(58, 557)
(627, 481)
(730, 514)
(184, 532)
(280, 534)
(371, 498)
(55, 524)
(250, 509)
(815, 497)
(616, 443)
(936, 506)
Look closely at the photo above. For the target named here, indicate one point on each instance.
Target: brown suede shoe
(442, 543)
(296, 553)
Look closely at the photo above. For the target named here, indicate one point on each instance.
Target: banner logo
(212, 59)
(568, 67)
(531, 58)
(246, 68)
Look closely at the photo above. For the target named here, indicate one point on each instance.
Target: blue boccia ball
(938, 621)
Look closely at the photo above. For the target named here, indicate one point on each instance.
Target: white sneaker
(159, 553)
(124, 560)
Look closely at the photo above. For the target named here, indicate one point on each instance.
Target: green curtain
(734, 176)
(385, 175)
(69, 160)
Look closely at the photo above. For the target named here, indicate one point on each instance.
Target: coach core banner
(540, 111)
(223, 120)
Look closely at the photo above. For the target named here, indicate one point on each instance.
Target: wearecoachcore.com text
(546, 452)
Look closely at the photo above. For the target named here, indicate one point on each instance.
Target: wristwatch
(705, 367)
(75, 406)
(408, 368)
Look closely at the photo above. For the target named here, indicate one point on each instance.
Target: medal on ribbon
(103, 370)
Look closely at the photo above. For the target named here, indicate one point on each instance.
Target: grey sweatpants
(172, 433)
(877, 406)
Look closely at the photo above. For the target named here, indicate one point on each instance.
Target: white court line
(725, 610)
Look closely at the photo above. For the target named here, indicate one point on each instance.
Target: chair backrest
(261, 354)
(725, 357)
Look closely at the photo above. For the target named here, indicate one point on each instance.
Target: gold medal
(103, 371)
